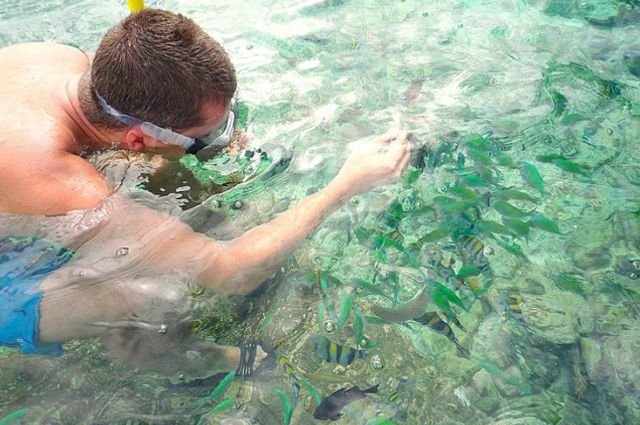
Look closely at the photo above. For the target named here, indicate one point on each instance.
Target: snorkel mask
(204, 148)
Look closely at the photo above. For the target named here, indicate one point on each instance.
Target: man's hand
(239, 142)
(375, 162)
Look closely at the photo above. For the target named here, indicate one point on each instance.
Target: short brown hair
(157, 66)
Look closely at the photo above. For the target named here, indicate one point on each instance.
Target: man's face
(215, 117)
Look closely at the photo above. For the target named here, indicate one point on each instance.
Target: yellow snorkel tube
(135, 5)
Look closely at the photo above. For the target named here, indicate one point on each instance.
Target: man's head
(160, 67)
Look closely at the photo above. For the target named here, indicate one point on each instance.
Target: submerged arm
(158, 246)
(240, 265)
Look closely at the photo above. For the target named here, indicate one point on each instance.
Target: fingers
(400, 142)
(394, 131)
(402, 136)
(389, 136)
(404, 161)
(402, 153)
(397, 155)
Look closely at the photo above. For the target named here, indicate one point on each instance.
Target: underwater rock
(512, 384)
(632, 174)
(534, 409)
(611, 364)
(591, 356)
(621, 357)
(532, 286)
(540, 366)
(627, 267)
(589, 242)
(613, 314)
(575, 412)
(493, 342)
(288, 315)
(588, 257)
(557, 317)
(482, 392)
(601, 47)
(631, 59)
(625, 226)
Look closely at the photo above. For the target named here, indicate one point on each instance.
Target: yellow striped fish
(513, 305)
(335, 353)
(471, 250)
(288, 370)
(292, 265)
(435, 322)
(442, 264)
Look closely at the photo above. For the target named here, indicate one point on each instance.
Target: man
(158, 83)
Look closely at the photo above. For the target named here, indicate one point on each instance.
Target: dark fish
(412, 93)
(628, 267)
(417, 152)
(460, 162)
(332, 405)
(435, 322)
(335, 353)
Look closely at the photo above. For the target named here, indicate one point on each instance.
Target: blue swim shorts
(24, 263)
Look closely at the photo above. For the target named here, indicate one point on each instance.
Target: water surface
(548, 322)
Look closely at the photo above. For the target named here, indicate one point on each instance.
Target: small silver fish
(331, 406)
(410, 310)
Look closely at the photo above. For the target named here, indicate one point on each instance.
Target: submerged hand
(375, 162)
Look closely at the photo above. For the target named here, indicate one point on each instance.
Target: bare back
(39, 168)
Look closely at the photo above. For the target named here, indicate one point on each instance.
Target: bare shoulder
(35, 64)
(37, 49)
(55, 185)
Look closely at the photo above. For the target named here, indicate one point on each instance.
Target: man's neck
(87, 137)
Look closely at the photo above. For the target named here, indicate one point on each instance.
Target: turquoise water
(546, 318)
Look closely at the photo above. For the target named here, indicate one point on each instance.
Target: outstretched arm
(241, 264)
(163, 245)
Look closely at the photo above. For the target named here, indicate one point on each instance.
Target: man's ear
(135, 139)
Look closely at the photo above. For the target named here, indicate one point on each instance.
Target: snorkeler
(158, 83)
